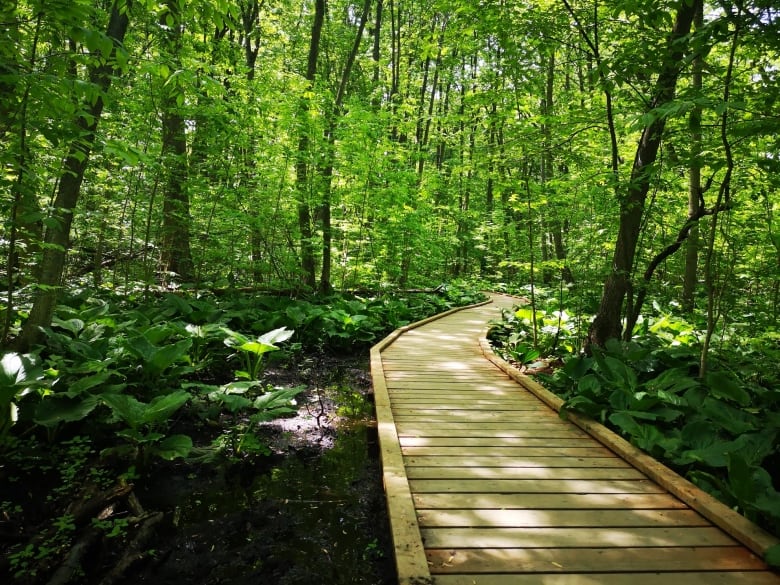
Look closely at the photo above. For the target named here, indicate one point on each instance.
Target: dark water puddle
(309, 517)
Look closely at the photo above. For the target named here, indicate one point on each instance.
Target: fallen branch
(134, 551)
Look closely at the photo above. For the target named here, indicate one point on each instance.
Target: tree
(176, 255)
(303, 181)
(633, 195)
(102, 67)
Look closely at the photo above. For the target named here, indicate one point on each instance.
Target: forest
(212, 209)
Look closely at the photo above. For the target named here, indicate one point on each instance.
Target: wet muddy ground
(312, 512)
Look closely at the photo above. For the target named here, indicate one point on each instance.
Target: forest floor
(312, 512)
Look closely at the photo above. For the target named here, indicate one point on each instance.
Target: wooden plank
(434, 365)
(535, 486)
(435, 403)
(417, 430)
(513, 473)
(524, 411)
(481, 518)
(474, 445)
(545, 450)
(549, 425)
(665, 578)
(546, 460)
(443, 375)
(524, 418)
(467, 398)
(502, 387)
(542, 501)
(568, 537)
(438, 396)
(411, 565)
(572, 560)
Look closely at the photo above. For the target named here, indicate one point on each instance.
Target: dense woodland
(169, 166)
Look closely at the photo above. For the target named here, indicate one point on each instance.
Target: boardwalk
(486, 485)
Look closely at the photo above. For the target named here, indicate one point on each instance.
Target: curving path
(486, 485)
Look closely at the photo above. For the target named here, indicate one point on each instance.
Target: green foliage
(144, 422)
(557, 331)
(253, 350)
(711, 429)
(135, 368)
(19, 375)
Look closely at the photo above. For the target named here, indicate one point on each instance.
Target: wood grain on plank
(627, 578)
(589, 560)
(536, 486)
(567, 537)
(557, 518)
(525, 457)
(543, 501)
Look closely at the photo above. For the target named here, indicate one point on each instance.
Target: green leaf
(725, 385)
(577, 367)
(174, 447)
(162, 358)
(125, 408)
(673, 380)
(73, 326)
(278, 398)
(741, 480)
(619, 373)
(625, 422)
(276, 336)
(257, 347)
(161, 408)
(58, 409)
(589, 384)
(734, 420)
(18, 372)
(772, 556)
(83, 384)
(233, 402)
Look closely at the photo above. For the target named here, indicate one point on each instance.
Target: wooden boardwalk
(486, 485)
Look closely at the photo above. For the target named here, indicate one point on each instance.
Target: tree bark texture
(607, 323)
(57, 236)
(302, 163)
(175, 246)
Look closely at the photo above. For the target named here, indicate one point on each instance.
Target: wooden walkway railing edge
(730, 521)
(410, 559)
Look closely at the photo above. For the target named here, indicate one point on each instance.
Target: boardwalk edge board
(734, 524)
(410, 557)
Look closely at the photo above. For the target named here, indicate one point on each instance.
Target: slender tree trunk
(724, 198)
(304, 145)
(23, 233)
(57, 236)
(547, 159)
(691, 274)
(250, 16)
(607, 323)
(326, 172)
(176, 254)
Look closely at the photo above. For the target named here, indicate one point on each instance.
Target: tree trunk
(690, 276)
(57, 236)
(617, 286)
(330, 143)
(302, 164)
(724, 198)
(176, 255)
